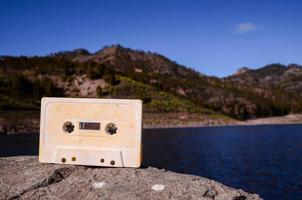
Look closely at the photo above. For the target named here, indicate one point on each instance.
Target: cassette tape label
(74, 128)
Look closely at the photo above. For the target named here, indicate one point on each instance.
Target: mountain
(279, 83)
(242, 70)
(162, 84)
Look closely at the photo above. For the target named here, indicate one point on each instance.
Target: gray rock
(23, 177)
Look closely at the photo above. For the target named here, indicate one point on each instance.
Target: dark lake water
(266, 160)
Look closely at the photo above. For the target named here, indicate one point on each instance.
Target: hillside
(162, 84)
(278, 83)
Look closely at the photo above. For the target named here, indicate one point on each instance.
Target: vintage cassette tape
(98, 132)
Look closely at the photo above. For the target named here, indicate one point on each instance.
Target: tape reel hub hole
(111, 129)
(68, 127)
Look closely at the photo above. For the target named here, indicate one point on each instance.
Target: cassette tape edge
(129, 157)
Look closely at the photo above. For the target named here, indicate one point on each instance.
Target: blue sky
(213, 37)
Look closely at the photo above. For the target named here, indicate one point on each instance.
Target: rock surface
(23, 177)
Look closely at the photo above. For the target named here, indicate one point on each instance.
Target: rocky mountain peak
(242, 70)
(81, 51)
(111, 49)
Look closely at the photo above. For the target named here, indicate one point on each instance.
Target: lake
(265, 159)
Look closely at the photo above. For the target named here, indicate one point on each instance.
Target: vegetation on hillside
(163, 85)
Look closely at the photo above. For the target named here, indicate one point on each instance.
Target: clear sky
(213, 37)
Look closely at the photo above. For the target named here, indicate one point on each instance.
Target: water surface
(266, 160)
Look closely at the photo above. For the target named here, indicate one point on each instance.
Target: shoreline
(292, 119)
(27, 122)
(222, 125)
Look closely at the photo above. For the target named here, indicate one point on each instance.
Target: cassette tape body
(97, 132)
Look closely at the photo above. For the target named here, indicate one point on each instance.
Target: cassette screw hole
(102, 160)
(112, 162)
(63, 160)
(68, 127)
(73, 158)
(111, 129)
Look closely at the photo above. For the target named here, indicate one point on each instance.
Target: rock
(23, 177)
(242, 70)
(211, 193)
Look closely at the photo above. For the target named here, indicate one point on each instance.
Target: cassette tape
(97, 132)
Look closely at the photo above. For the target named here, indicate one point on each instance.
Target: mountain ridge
(114, 70)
